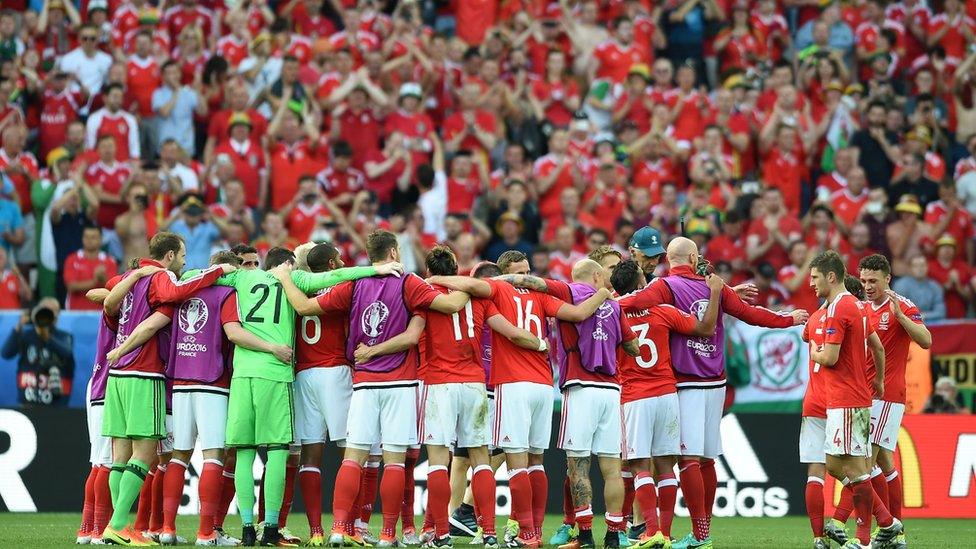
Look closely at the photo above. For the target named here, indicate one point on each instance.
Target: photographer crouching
(46, 363)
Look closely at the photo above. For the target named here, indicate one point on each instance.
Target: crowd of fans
(767, 131)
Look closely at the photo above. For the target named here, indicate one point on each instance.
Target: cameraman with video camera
(45, 364)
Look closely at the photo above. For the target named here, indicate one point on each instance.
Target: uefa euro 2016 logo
(193, 315)
(698, 308)
(374, 318)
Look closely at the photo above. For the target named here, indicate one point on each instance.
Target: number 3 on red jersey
(644, 341)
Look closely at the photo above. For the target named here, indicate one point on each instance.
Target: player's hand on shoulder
(282, 271)
(800, 316)
(747, 292)
(228, 268)
(282, 352)
(714, 282)
(392, 268)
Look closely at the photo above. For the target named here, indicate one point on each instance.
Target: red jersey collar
(146, 261)
(683, 270)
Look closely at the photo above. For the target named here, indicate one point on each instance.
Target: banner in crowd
(768, 368)
(44, 466)
(954, 355)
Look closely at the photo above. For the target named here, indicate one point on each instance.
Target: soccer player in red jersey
(454, 405)
(650, 401)
(898, 323)
(523, 391)
(701, 376)
(843, 354)
(813, 422)
(383, 407)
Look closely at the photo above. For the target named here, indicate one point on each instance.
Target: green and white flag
(777, 362)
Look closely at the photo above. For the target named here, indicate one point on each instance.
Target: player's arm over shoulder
(421, 295)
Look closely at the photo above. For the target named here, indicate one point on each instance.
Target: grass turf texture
(58, 530)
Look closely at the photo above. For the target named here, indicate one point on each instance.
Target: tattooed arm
(528, 282)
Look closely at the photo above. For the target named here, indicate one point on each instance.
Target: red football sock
(406, 512)
(173, 482)
(357, 506)
(88, 508)
(310, 478)
(894, 493)
(863, 499)
(646, 494)
(438, 497)
(291, 474)
(667, 495)
(710, 482)
(103, 501)
(615, 523)
(371, 475)
(584, 517)
(540, 493)
(569, 510)
(144, 508)
(846, 504)
(629, 494)
(521, 488)
(344, 494)
(880, 510)
(261, 497)
(391, 497)
(483, 490)
(156, 518)
(209, 490)
(815, 505)
(879, 484)
(227, 493)
(694, 491)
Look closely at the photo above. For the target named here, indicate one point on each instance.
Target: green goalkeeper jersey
(266, 313)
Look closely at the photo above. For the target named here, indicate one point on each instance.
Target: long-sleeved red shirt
(659, 293)
(164, 290)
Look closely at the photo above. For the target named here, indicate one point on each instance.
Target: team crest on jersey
(193, 315)
(883, 322)
(374, 319)
(698, 308)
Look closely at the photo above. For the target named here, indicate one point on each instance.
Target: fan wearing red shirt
(552, 174)
(948, 216)
(112, 120)
(847, 202)
(59, 108)
(951, 273)
(523, 390)
(564, 255)
(649, 397)
(19, 165)
(471, 127)
(219, 124)
(557, 94)
(796, 277)
(142, 74)
(14, 286)
(306, 208)
(412, 123)
(107, 178)
(613, 58)
(843, 354)
(769, 236)
(899, 324)
(784, 168)
(952, 29)
(340, 181)
(463, 185)
(85, 269)
(383, 406)
(249, 158)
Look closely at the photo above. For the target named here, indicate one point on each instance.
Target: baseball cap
(408, 89)
(97, 5)
(647, 240)
(909, 204)
(946, 240)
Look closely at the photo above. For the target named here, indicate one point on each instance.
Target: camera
(142, 200)
(42, 317)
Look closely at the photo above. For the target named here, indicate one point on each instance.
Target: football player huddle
(234, 358)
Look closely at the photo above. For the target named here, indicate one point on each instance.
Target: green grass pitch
(58, 530)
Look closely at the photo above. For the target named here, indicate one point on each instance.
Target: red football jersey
(321, 341)
(846, 324)
(454, 358)
(531, 311)
(111, 179)
(814, 399)
(302, 220)
(78, 267)
(10, 298)
(417, 296)
(650, 374)
(896, 342)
